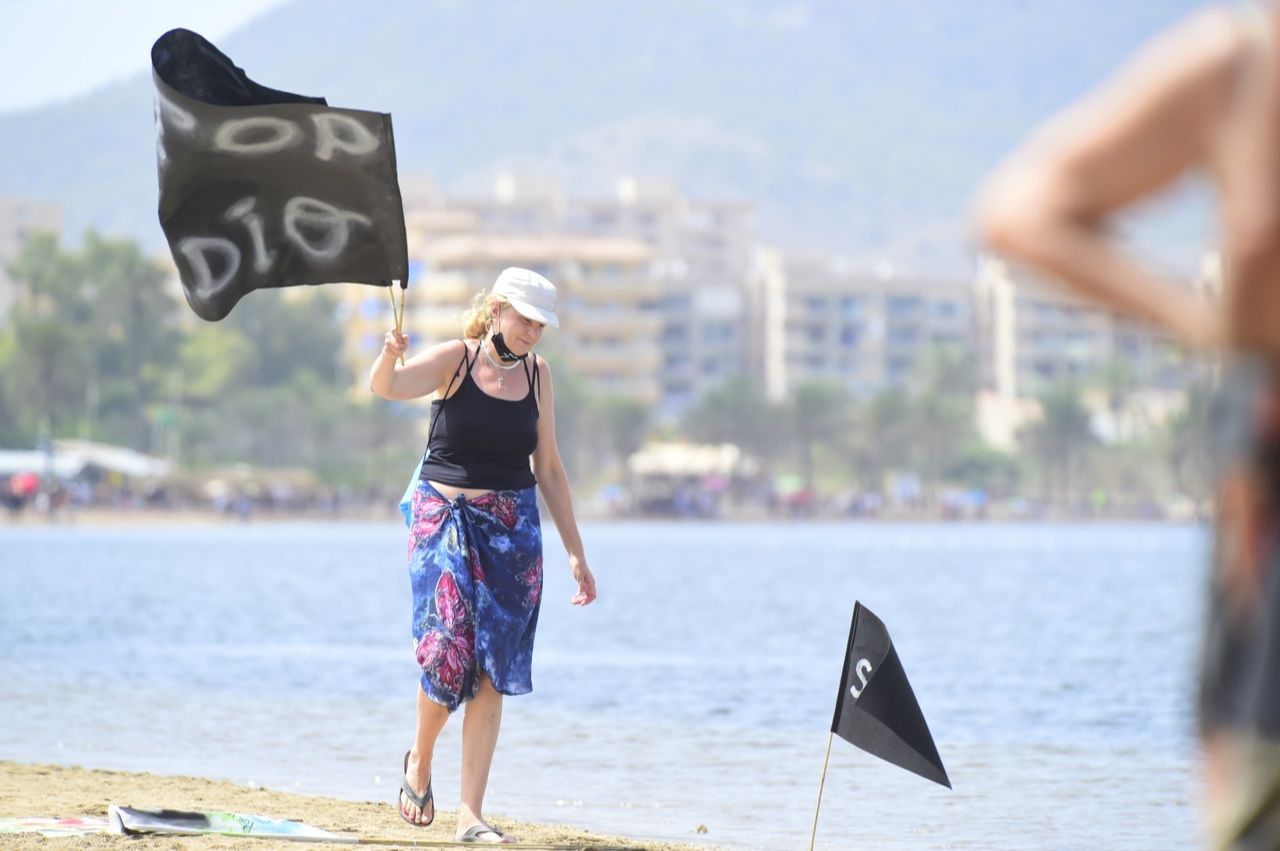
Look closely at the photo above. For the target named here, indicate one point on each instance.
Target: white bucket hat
(533, 296)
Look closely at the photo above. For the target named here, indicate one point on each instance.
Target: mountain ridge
(852, 126)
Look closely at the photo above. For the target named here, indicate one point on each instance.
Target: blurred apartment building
(19, 219)
(652, 285)
(870, 329)
(1032, 335)
(865, 329)
(607, 301)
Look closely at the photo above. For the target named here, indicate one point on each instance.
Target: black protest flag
(263, 188)
(876, 708)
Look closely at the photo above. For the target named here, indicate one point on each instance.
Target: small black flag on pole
(876, 708)
(264, 188)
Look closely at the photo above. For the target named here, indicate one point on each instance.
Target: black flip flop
(419, 801)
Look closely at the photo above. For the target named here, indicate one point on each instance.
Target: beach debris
(54, 826)
(127, 820)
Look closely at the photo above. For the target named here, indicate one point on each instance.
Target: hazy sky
(53, 49)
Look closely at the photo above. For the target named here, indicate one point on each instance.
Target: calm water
(1053, 664)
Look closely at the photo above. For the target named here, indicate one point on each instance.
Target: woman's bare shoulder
(446, 349)
(543, 368)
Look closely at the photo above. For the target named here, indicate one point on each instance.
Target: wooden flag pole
(397, 314)
(404, 292)
(826, 759)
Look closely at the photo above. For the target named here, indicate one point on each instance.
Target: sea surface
(1053, 663)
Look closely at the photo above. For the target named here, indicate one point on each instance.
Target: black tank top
(480, 441)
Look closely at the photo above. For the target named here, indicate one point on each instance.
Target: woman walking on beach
(1203, 96)
(475, 543)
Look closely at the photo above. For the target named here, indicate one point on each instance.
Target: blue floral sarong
(475, 566)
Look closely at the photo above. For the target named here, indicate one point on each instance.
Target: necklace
(493, 363)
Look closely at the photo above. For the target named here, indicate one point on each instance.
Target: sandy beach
(66, 792)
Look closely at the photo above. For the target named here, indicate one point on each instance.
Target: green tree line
(98, 347)
(835, 441)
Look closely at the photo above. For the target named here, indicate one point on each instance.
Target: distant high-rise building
(643, 270)
(866, 329)
(1033, 335)
(607, 303)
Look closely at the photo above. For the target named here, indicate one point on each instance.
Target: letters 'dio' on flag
(262, 188)
(876, 709)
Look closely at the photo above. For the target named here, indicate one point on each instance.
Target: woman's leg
(480, 725)
(431, 720)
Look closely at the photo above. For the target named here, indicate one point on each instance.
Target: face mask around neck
(504, 351)
(500, 345)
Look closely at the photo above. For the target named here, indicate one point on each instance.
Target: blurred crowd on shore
(707, 498)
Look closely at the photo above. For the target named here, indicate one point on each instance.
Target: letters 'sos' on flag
(263, 188)
(876, 708)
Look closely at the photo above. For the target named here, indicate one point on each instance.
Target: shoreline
(57, 791)
(160, 518)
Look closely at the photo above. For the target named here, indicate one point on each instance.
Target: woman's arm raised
(424, 373)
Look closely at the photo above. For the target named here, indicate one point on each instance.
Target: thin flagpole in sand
(814, 835)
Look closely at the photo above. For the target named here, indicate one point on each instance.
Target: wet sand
(67, 792)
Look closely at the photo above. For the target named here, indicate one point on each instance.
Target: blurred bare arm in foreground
(1173, 108)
